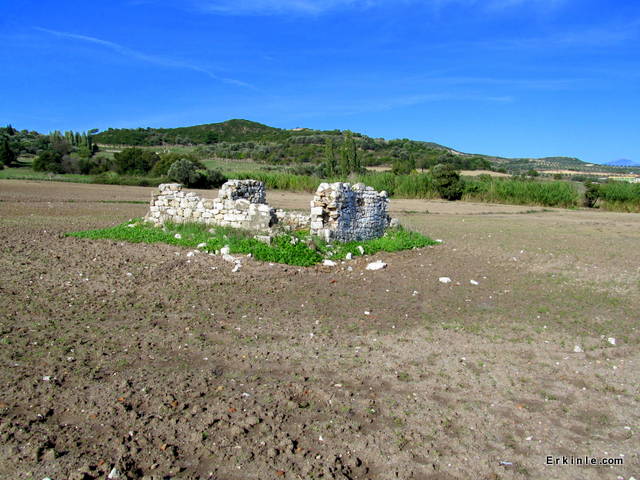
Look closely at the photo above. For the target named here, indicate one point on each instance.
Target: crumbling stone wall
(172, 204)
(339, 211)
(240, 204)
(251, 190)
(344, 212)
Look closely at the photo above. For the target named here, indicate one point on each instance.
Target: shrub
(214, 178)
(135, 161)
(162, 166)
(184, 171)
(447, 182)
(48, 161)
(591, 194)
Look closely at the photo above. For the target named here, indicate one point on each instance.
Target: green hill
(244, 139)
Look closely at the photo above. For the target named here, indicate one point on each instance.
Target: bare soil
(139, 358)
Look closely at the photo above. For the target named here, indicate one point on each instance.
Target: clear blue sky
(524, 78)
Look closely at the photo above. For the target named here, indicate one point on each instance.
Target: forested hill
(229, 131)
(238, 139)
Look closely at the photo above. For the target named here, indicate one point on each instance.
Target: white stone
(329, 263)
(378, 265)
(360, 248)
(225, 250)
(577, 349)
(473, 282)
(348, 256)
(611, 340)
(444, 280)
(178, 236)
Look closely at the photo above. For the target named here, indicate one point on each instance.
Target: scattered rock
(444, 280)
(360, 249)
(113, 474)
(225, 250)
(611, 340)
(329, 263)
(178, 236)
(202, 245)
(577, 349)
(379, 265)
(473, 282)
(348, 256)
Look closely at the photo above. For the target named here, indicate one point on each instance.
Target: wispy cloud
(317, 108)
(317, 7)
(136, 55)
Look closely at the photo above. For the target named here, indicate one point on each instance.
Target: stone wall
(172, 204)
(343, 212)
(251, 190)
(240, 204)
(339, 211)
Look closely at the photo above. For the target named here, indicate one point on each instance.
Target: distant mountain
(623, 162)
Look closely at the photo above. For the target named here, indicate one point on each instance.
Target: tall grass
(283, 181)
(523, 192)
(620, 196)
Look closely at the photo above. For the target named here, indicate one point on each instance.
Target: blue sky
(522, 78)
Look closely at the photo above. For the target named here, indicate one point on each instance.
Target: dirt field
(139, 358)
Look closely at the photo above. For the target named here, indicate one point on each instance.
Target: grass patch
(298, 248)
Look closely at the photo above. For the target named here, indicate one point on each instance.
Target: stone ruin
(339, 211)
(343, 212)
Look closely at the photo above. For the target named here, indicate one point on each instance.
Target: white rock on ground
(329, 263)
(229, 258)
(444, 280)
(473, 282)
(236, 268)
(113, 474)
(379, 265)
(611, 340)
(348, 256)
(225, 250)
(360, 249)
(202, 245)
(577, 349)
(178, 236)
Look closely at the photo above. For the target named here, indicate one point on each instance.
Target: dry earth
(139, 358)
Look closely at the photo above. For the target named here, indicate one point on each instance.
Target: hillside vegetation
(243, 139)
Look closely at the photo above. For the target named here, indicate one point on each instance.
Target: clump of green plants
(296, 248)
(620, 196)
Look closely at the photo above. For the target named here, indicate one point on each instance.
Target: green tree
(185, 172)
(330, 161)
(7, 156)
(48, 161)
(135, 161)
(349, 159)
(447, 181)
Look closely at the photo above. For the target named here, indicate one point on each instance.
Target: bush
(184, 171)
(135, 161)
(162, 166)
(591, 194)
(213, 178)
(48, 161)
(447, 182)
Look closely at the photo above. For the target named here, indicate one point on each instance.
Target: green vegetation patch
(298, 248)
